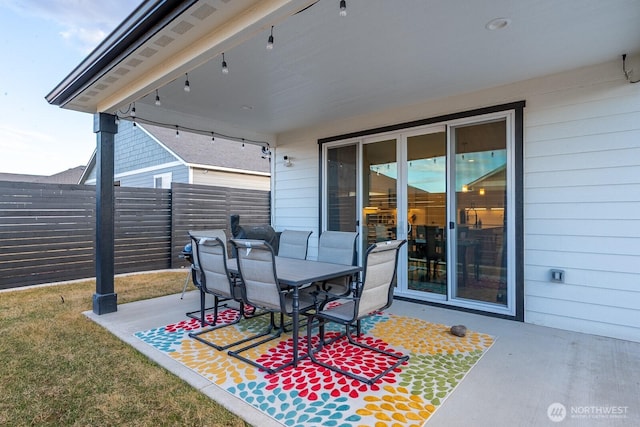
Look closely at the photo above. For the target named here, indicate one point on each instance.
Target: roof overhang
(325, 67)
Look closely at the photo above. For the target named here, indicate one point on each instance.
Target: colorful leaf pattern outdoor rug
(311, 395)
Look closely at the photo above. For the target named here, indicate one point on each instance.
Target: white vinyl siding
(582, 209)
(581, 191)
(230, 179)
(297, 187)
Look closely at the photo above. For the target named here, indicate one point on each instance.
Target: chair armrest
(322, 298)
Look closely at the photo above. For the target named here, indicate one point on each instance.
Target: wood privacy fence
(47, 231)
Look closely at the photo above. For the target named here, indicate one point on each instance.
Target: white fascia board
(90, 165)
(223, 169)
(149, 169)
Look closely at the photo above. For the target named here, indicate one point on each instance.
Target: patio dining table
(295, 273)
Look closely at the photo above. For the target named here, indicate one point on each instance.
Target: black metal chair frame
(273, 331)
(323, 316)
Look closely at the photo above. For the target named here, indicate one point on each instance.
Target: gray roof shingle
(200, 149)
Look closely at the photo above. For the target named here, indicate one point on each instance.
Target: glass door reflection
(379, 201)
(480, 203)
(426, 210)
(342, 182)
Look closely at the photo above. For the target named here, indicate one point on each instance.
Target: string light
(187, 86)
(225, 68)
(135, 120)
(270, 41)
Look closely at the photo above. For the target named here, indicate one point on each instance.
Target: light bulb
(158, 103)
(177, 132)
(225, 68)
(270, 41)
(343, 8)
(187, 87)
(133, 110)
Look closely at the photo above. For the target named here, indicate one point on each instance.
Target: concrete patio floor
(529, 368)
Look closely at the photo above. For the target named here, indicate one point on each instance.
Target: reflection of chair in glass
(382, 233)
(293, 244)
(429, 247)
(338, 247)
(433, 250)
(373, 294)
(212, 277)
(261, 289)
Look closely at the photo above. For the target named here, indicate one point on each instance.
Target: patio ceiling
(325, 67)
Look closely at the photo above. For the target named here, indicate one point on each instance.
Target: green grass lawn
(59, 368)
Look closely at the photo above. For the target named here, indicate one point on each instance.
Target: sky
(41, 42)
(430, 174)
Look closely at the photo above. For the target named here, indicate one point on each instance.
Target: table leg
(294, 314)
(186, 282)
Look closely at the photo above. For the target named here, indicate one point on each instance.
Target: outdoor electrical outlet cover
(557, 276)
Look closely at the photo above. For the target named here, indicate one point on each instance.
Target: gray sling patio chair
(337, 247)
(211, 276)
(261, 289)
(293, 244)
(373, 294)
(195, 236)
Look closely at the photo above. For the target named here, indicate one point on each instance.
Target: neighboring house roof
(18, 177)
(199, 150)
(70, 176)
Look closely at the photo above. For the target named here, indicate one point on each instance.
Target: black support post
(105, 300)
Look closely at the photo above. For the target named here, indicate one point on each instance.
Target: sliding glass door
(448, 188)
(479, 193)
